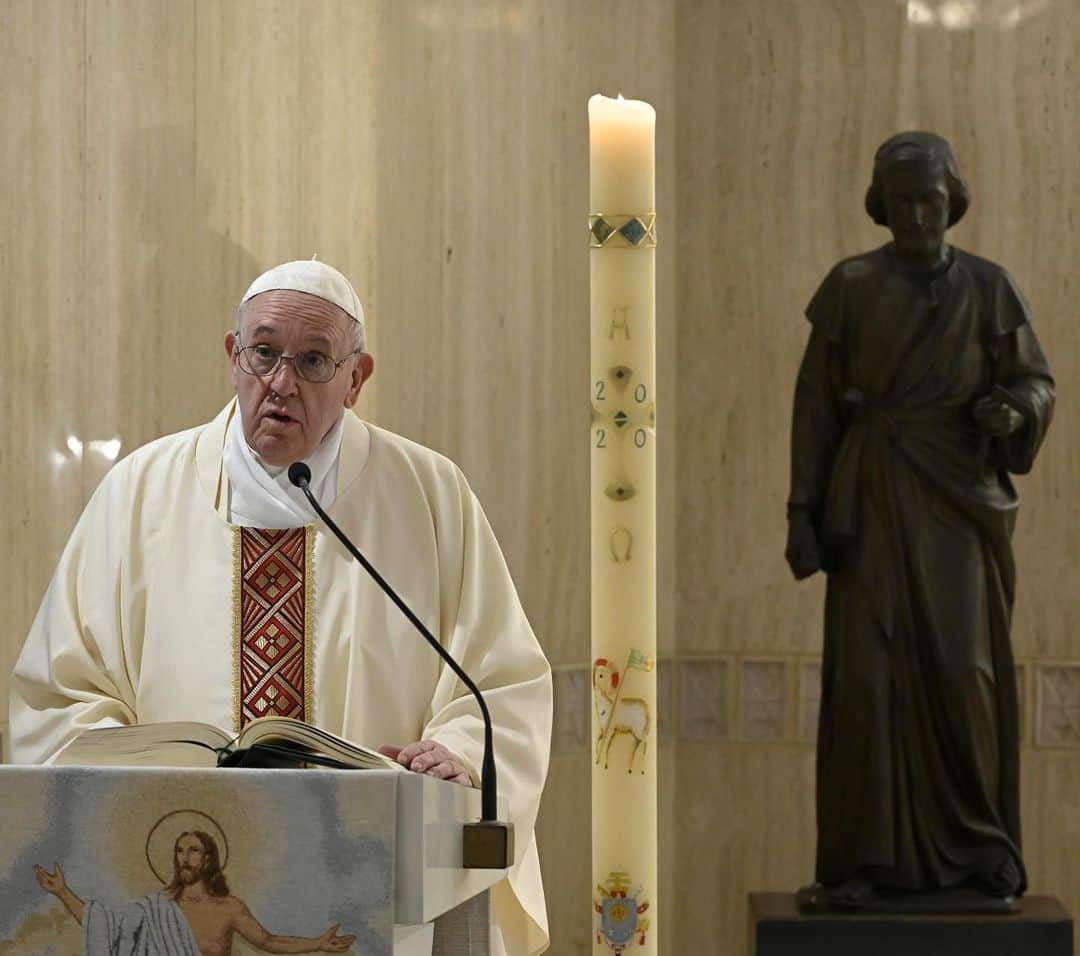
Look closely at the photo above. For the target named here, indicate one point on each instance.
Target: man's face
(285, 416)
(916, 207)
(190, 858)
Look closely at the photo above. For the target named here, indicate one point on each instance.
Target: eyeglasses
(263, 361)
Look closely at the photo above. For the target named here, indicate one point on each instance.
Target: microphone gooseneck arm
(300, 475)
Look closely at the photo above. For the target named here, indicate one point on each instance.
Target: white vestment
(138, 622)
(152, 926)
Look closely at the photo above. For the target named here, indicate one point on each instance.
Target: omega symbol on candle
(622, 544)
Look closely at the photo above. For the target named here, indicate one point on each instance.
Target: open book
(190, 744)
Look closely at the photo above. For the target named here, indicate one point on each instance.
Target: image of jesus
(195, 915)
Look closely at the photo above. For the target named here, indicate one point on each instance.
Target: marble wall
(159, 153)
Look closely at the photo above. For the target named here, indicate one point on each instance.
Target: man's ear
(230, 350)
(362, 371)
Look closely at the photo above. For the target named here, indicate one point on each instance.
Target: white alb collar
(262, 496)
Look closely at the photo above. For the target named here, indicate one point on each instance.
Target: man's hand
(995, 418)
(56, 884)
(803, 550)
(426, 756)
(51, 882)
(330, 942)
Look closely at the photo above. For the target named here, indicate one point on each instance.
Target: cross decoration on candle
(622, 240)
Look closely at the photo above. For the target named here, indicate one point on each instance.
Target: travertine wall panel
(145, 362)
(43, 370)
(284, 149)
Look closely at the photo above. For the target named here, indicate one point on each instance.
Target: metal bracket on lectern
(487, 845)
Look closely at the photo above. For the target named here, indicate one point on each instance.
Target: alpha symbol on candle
(620, 319)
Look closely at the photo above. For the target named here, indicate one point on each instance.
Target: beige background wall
(159, 153)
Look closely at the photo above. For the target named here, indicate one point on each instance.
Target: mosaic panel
(571, 719)
(762, 699)
(1058, 721)
(703, 699)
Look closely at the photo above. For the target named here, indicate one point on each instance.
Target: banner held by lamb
(617, 714)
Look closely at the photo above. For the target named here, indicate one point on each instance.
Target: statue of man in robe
(922, 387)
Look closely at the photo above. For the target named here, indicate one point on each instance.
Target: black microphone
(488, 844)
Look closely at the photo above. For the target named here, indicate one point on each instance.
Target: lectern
(91, 860)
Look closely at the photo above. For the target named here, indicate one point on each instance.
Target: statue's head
(917, 192)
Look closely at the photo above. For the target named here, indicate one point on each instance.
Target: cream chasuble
(142, 618)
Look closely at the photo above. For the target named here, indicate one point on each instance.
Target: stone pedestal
(1043, 927)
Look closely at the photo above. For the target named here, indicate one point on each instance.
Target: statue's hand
(995, 418)
(803, 549)
(51, 882)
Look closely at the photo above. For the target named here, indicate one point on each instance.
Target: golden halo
(161, 840)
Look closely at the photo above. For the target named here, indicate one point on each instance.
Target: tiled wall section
(1058, 702)
(703, 698)
(755, 700)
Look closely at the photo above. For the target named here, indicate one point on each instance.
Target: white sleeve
(486, 630)
(73, 672)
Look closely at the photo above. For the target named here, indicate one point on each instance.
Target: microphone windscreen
(299, 474)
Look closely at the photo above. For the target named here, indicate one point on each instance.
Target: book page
(297, 733)
(171, 744)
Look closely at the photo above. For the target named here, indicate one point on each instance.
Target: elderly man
(922, 387)
(198, 584)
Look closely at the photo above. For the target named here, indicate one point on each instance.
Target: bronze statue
(922, 387)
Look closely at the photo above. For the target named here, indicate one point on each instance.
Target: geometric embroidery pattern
(272, 624)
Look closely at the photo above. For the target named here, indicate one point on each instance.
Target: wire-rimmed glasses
(262, 361)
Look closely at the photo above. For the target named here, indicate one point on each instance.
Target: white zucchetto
(314, 278)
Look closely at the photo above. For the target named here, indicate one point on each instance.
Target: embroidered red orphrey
(271, 623)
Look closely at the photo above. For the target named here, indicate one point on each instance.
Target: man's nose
(284, 379)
